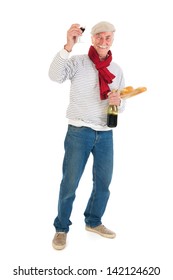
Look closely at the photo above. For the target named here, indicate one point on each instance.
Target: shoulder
(80, 57)
(115, 67)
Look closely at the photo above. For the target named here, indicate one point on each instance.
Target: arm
(58, 71)
(62, 68)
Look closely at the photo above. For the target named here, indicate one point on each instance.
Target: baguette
(130, 91)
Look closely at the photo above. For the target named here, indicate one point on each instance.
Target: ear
(112, 43)
(92, 39)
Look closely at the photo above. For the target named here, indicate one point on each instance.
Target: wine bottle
(112, 116)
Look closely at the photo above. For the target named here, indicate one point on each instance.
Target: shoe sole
(102, 234)
(58, 247)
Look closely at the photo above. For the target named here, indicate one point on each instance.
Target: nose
(102, 41)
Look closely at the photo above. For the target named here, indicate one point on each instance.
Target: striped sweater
(85, 107)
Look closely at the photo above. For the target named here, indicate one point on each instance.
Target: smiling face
(102, 43)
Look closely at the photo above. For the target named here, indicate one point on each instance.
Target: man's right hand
(72, 36)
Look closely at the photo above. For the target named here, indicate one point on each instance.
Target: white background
(33, 126)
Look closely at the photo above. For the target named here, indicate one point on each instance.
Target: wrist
(68, 49)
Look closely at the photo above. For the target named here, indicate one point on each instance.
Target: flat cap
(102, 26)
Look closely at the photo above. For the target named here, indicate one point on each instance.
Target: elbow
(52, 75)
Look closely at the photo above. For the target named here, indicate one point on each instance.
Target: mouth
(102, 47)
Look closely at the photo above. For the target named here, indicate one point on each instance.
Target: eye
(108, 38)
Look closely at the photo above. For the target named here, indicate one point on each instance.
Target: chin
(102, 53)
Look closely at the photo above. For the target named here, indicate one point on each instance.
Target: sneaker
(102, 230)
(59, 240)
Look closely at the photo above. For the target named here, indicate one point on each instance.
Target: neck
(102, 58)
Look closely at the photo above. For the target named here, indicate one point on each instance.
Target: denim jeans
(79, 143)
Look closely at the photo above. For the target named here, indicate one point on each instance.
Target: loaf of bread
(130, 91)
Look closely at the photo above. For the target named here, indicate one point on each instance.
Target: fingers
(114, 95)
(72, 36)
(114, 98)
(74, 31)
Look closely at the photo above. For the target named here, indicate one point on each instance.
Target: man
(92, 77)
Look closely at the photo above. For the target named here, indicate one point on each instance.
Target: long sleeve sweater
(85, 106)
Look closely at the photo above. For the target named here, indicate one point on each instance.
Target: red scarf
(105, 76)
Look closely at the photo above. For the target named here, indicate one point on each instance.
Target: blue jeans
(79, 143)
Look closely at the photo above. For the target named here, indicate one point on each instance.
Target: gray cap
(102, 26)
